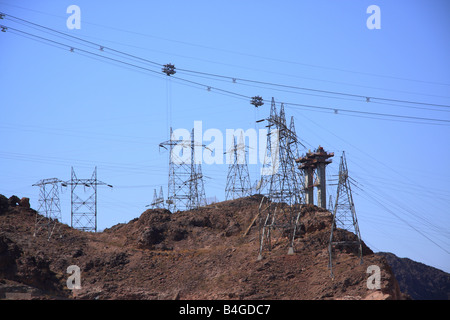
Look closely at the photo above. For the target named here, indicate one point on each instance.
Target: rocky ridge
(196, 254)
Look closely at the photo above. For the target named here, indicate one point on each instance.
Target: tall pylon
(83, 209)
(294, 145)
(197, 186)
(49, 211)
(158, 200)
(271, 156)
(330, 204)
(185, 184)
(238, 178)
(344, 228)
(281, 212)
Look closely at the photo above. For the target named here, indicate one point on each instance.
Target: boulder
(14, 201)
(4, 204)
(24, 203)
(150, 237)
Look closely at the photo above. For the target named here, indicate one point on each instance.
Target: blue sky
(61, 109)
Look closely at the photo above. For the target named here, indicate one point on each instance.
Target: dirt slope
(198, 254)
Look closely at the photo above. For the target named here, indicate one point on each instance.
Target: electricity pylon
(282, 209)
(83, 209)
(49, 211)
(185, 188)
(158, 201)
(344, 217)
(238, 178)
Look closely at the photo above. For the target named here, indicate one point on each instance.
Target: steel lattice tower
(294, 153)
(238, 178)
(197, 187)
(282, 208)
(49, 211)
(158, 201)
(344, 217)
(185, 188)
(271, 155)
(83, 210)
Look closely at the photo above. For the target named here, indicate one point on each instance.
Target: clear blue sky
(60, 109)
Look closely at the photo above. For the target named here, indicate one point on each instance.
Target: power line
(243, 96)
(337, 110)
(365, 97)
(245, 54)
(344, 96)
(402, 207)
(228, 92)
(101, 47)
(75, 49)
(234, 79)
(404, 221)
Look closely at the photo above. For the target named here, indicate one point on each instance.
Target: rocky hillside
(197, 254)
(418, 280)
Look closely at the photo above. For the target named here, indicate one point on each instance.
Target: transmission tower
(49, 211)
(330, 204)
(294, 153)
(281, 212)
(185, 188)
(344, 217)
(83, 209)
(158, 200)
(198, 196)
(238, 178)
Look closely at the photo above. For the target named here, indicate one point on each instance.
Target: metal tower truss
(49, 211)
(281, 212)
(158, 200)
(344, 228)
(294, 152)
(330, 204)
(238, 178)
(185, 188)
(83, 208)
(198, 197)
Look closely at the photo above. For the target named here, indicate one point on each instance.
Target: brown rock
(196, 254)
(378, 295)
(25, 203)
